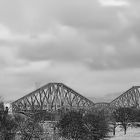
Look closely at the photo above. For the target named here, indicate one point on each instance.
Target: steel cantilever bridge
(54, 96)
(130, 98)
(51, 97)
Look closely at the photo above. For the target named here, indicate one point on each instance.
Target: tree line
(73, 124)
(95, 124)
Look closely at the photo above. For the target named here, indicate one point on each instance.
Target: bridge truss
(55, 96)
(51, 97)
(130, 98)
(101, 106)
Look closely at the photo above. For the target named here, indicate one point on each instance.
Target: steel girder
(51, 97)
(130, 98)
(101, 106)
(54, 96)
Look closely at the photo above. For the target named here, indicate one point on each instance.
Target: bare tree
(124, 116)
(75, 125)
(97, 125)
(71, 126)
(28, 127)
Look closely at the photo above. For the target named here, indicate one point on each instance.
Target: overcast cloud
(90, 45)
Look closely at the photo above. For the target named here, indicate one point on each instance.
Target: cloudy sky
(93, 46)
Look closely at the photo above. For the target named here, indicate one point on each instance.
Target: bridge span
(130, 98)
(51, 97)
(54, 96)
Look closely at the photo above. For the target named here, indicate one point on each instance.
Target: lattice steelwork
(131, 98)
(51, 97)
(101, 106)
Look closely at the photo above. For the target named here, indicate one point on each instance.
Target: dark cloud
(82, 31)
(76, 42)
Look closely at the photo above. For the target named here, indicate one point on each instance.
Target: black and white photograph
(69, 69)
